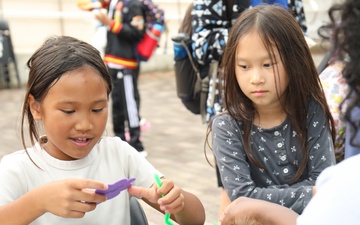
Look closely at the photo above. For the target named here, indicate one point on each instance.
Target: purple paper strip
(115, 188)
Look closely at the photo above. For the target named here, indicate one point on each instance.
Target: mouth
(259, 92)
(81, 141)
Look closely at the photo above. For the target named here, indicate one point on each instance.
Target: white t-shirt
(337, 200)
(109, 161)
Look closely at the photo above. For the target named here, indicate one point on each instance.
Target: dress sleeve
(320, 145)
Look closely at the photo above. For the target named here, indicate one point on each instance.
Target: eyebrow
(262, 58)
(72, 102)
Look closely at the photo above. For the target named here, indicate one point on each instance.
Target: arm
(320, 145)
(184, 207)
(193, 211)
(240, 178)
(65, 198)
(258, 211)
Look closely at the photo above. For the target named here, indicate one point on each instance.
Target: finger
(226, 221)
(170, 196)
(166, 187)
(88, 184)
(90, 196)
(141, 192)
(78, 209)
(175, 206)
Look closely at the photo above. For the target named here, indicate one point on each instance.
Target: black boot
(135, 139)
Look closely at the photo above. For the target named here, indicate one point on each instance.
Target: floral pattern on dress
(335, 89)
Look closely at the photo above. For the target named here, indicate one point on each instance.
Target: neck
(270, 117)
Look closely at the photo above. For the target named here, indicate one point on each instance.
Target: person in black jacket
(125, 22)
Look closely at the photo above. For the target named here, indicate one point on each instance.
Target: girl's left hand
(169, 197)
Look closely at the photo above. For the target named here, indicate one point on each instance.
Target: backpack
(283, 3)
(187, 75)
(191, 86)
(154, 21)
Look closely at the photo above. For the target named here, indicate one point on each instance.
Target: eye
(268, 65)
(97, 110)
(244, 67)
(67, 111)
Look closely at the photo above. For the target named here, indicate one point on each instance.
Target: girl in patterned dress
(276, 135)
(337, 198)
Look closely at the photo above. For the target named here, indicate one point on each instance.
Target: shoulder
(118, 151)
(133, 4)
(14, 168)
(114, 146)
(16, 160)
(313, 106)
(224, 119)
(110, 141)
(225, 123)
(315, 111)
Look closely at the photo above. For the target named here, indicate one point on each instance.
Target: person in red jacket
(125, 28)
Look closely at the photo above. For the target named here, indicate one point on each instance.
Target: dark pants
(125, 105)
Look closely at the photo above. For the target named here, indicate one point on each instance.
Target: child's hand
(172, 202)
(88, 5)
(239, 212)
(102, 16)
(70, 198)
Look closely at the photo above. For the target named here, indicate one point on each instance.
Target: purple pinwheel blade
(115, 188)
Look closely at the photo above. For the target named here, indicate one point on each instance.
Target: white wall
(32, 21)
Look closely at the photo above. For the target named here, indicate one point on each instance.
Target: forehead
(252, 44)
(79, 81)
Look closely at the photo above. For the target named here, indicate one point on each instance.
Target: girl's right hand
(70, 198)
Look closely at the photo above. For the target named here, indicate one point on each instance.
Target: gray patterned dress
(278, 149)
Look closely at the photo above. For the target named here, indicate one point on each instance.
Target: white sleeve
(337, 199)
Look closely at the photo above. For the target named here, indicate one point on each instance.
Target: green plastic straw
(167, 215)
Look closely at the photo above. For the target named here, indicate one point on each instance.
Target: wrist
(275, 214)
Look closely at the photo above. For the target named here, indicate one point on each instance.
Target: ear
(35, 107)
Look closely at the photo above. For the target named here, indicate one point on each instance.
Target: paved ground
(174, 141)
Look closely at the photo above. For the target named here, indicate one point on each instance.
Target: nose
(84, 123)
(256, 76)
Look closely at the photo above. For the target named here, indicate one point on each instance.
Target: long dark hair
(57, 56)
(278, 29)
(345, 28)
